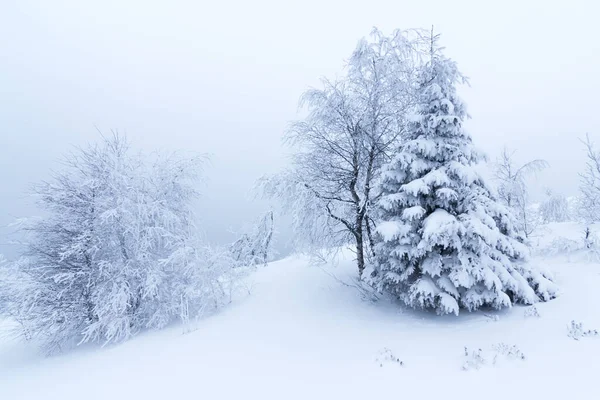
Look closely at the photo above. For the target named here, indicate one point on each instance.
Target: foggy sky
(224, 78)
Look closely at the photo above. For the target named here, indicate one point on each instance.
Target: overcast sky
(224, 77)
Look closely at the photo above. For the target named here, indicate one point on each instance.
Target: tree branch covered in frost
(512, 188)
(117, 251)
(352, 125)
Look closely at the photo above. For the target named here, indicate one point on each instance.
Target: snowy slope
(302, 334)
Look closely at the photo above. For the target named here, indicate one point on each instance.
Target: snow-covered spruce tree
(116, 252)
(444, 241)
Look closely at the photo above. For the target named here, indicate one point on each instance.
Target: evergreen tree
(444, 241)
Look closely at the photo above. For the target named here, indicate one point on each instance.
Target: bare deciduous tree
(352, 125)
(512, 187)
(588, 207)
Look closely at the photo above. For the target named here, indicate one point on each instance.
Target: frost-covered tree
(444, 241)
(588, 204)
(512, 188)
(254, 247)
(116, 251)
(554, 208)
(351, 126)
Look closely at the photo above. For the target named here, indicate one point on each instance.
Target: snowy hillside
(301, 333)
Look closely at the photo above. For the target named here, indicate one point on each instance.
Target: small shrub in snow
(511, 352)
(562, 245)
(386, 356)
(492, 317)
(444, 241)
(475, 359)
(588, 246)
(531, 312)
(576, 331)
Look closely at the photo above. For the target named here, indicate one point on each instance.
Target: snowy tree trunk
(360, 251)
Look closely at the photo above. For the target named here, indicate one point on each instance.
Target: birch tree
(588, 207)
(512, 187)
(352, 125)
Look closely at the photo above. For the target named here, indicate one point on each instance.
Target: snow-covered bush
(254, 247)
(444, 241)
(475, 359)
(116, 251)
(576, 331)
(555, 208)
(492, 317)
(510, 352)
(562, 245)
(531, 312)
(386, 356)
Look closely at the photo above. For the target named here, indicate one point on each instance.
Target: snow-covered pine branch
(444, 241)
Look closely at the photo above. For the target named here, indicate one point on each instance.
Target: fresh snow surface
(302, 334)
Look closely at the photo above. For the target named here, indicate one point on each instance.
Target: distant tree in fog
(255, 247)
(554, 208)
(512, 187)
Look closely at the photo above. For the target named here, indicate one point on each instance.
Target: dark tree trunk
(360, 251)
(370, 235)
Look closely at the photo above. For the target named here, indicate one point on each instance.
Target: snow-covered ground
(301, 334)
